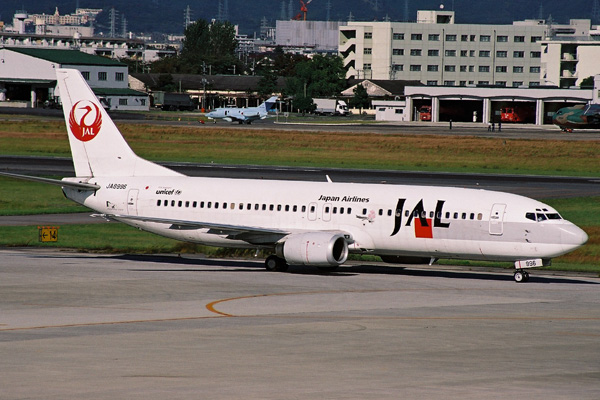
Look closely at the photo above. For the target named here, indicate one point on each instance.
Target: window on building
(367, 67)
(398, 52)
(463, 68)
(449, 83)
(484, 68)
(483, 83)
(398, 67)
(502, 38)
(450, 68)
(471, 53)
(122, 102)
(518, 54)
(502, 54)
(450, 38)
(368, 50)
(472, 38)
(534, 70)
(119, 76)
(519, 39)
(415, 52)
(432, 68)
(464, 38)
(535, 83)
(434, 37)
(101, 76)
(416, 36)
(368, 35)
(535, 39)
(485, 38)
(464, 53)
(517, 70)
(86, 75)
(433, 53)
(450, 53)
(398, 36)
(500, 83)
(143, 102)
(471, 68)
(535, 54)
(462, 83)
(517, 84)
(432, 83)
(415, 68)
(484, 53)
(501, 68)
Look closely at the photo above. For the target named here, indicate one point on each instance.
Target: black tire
(275, 264)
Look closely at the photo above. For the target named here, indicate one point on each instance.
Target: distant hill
(167, 16)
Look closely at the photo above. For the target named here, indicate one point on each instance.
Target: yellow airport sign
(48, 233)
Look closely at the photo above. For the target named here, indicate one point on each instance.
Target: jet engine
(314, 248)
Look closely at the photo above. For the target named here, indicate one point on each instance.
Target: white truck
(330, 107)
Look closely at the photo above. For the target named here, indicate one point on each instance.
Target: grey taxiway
(76, 326)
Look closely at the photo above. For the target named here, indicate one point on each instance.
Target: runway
(76, 326)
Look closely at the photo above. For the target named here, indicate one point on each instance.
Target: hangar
(534, 105)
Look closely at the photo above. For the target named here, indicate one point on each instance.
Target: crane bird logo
(79, 120)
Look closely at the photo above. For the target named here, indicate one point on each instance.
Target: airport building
(35, 85)
(436, 51)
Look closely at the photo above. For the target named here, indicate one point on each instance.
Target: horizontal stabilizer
(57, 182)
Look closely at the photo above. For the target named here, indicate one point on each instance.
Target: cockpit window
(541, 216)
(530, 216)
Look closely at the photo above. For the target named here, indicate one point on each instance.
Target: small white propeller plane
(302, 223)
(243, 115)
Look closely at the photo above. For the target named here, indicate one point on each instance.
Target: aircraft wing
(250, 234)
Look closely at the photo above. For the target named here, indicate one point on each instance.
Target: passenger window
(209, 205)
(464, 215)
(287, 207)
(389, 213)
(326, 209)
(312, 209)
(472, 216)
(194, 204)
(364, 211)
(430, 214)
(406, 213)
(201, 204)
(187, 204)
(256, 206)
(278, 207)
(349, 210)
(479, 216)
(303, 208)
(455, 215)
(271, 207)
(380, 211)
(447, 215)
(216, 204)
(248, 206)
(424, 214)
(179, 203)
(335, 210)
(166, 203)
(341, 210)
(225, 206)
(264, 207)
(172, 203)
(295, 208)
(158, 203)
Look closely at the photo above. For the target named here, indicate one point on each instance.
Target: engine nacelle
(314, 248)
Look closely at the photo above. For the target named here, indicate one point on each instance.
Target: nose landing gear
(521, 276)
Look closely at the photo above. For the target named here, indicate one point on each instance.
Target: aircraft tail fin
(97, 146)
(269, 103)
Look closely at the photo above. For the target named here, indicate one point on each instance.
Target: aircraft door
(132, 198)
(312, 212)
(497, 219)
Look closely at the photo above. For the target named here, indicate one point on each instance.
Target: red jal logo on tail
(79, 117)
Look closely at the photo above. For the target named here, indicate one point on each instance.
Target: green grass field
(272, 147)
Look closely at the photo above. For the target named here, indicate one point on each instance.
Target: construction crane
(303, 9)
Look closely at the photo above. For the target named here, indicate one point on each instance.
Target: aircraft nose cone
(572, 236)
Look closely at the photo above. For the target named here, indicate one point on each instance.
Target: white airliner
(302, 223)
(243, 115)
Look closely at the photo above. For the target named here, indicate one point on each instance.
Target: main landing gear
(276, 264)
(521, 276)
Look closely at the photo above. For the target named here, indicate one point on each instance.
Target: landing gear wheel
(521, 276)
(274, 263)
